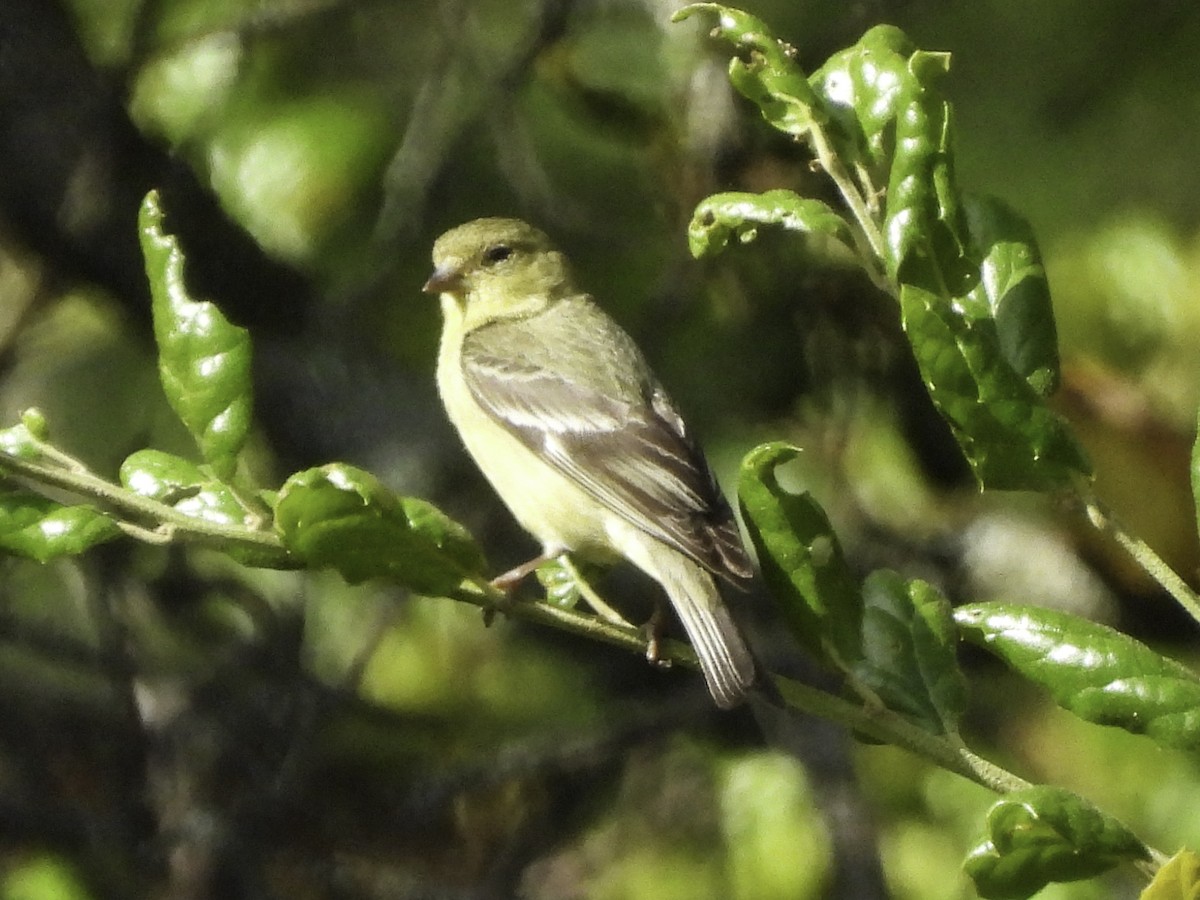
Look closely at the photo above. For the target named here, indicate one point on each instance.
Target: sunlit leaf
(863, 88)
(40, 529)
(183, 485)
(737, 216)
(1014, 284)
(1011, 439)
(771, 77)
(343, 518)
(1094, 671)
(203, 360)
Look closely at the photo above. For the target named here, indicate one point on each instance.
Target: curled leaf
(771, 77)
(737, 215)
(800, 558)
(343, 518)
(1041, 835)
(203, 360)
(183, 485)
(1014, 285)
(863, 88)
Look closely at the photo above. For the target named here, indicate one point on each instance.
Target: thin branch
(1102, 518)
(146, 518)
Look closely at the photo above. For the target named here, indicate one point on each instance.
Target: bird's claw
(653, 629)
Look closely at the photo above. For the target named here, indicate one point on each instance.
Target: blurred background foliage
(176, 726)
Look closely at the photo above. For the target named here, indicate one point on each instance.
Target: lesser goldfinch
(560, 411)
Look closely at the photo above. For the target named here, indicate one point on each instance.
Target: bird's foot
(654, 634)
(508, 582)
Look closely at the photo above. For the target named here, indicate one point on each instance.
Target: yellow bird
(560, 411)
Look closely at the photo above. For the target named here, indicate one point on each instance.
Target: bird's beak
(444, 278)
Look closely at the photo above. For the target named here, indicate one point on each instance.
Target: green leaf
(1043, 834)
(560, 584)
(800, 558)
(203, 360)
(40, 529)
(1094, 671)
(737, 215)
(161, 476)
(183, 485)
(1017, 293)
(909, 657)
(1179, 879)
(924, 227)
(771, 79)
(341, 517)
(1011, 439)
(863, 87)
(24, 441)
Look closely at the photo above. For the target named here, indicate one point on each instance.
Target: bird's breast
(547, 504)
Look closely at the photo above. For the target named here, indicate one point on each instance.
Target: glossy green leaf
(1011, 439)
(1094, 671)
(1017, 293)
(343, 518)
(203, 360)
(737, 216)
(863, 88)
(559, 583)
(183, 485)
(800, 558)
(1042, 835)
(771, 78)
(1178, 879)
(40, 529)
(162, 476)
(924, 228)
(909, 657)
(24, 440)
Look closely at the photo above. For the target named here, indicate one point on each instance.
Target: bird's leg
(509, 580)
(654, 632)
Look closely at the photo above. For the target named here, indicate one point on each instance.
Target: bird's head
(498, 269)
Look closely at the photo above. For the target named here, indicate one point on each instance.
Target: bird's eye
(497, 254)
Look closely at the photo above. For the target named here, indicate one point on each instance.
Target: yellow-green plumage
(562, 414)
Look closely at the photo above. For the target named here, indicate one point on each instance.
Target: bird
(561, 412)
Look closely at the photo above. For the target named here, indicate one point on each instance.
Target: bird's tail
(725, 659)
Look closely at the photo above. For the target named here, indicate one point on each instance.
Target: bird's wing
(607, 425)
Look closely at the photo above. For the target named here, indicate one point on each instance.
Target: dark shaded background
(176, 726)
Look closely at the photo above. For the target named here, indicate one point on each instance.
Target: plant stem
(879, 723)
(146, 515)
(858, 205)
(1102, 518)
